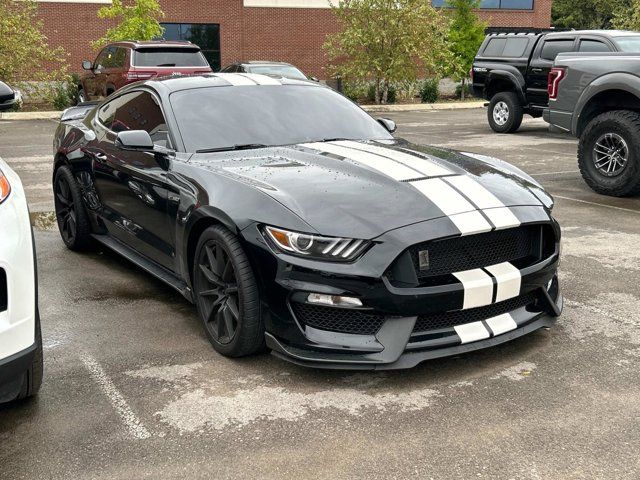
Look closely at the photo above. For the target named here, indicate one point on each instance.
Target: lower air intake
(341, 320)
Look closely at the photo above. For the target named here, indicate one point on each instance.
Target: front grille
(439, 321)
(4, 296)
(340, 320)
(522, 246)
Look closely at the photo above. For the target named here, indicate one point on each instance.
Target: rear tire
(73, 221)
(609, 153)
(505, 113)
(226, 294)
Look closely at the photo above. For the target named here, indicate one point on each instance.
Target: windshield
(224, 117)
(279, 70)
(169, 57)
(629, 44)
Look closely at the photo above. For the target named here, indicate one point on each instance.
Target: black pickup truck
(511, 70)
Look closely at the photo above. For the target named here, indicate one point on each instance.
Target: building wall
(291, 32)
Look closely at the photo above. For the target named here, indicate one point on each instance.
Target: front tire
(72, 218)
(609, 153)
(226, 294)
(505, 113)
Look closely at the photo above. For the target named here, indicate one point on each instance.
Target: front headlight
(5, 188)
(315, 246)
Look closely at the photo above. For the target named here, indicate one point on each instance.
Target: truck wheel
(505, 112)
(609, 153)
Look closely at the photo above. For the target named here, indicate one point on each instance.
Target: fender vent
(4, 296)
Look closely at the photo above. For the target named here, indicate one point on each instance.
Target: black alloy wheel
(73, 222)
(220, 294)
(226, 294)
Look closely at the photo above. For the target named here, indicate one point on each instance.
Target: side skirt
(145, 264)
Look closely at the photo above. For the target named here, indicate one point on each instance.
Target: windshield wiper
(244, 146)
(166, 65)
(337, 139)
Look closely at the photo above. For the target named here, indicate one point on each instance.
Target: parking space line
(598, 204)
(129, 418)
(554, 173)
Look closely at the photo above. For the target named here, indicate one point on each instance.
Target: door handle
(101, 157)
(536, 70)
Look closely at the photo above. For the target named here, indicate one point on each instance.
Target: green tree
(139, 21)
(386, 41)
(587, 14)
(466, 33)
(628, 18)
(24, 51)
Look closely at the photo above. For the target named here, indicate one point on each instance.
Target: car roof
(154, 44)
(172, 84)
(604, 33)
(264, 62)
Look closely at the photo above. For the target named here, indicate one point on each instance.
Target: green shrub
(60, 98)
(391, 95)
(430, 90)
(468, 93)
(355, 91)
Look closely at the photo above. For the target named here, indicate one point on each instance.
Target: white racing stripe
(508, 279)
(426, 167)
(235, 79)
(386, 166)
(475, 192)
(502, 218)
(501, 324)
(471, 223)
(472, 332)
(262, 79)
(444, 196)
(478, 288)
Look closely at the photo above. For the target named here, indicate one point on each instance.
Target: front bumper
(17, 269)
(410, 324)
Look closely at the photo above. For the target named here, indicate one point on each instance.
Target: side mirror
(138, 140)
(388, 124)
(86, 65)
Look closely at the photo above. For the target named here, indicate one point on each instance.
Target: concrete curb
(424, 106)
(369, 108)
(30, 115)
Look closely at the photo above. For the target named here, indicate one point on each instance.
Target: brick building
(233, 30)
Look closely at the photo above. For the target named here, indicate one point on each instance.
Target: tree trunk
(377, 92)
(385, 91)
(464, 80)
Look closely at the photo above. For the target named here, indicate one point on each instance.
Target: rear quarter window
(552, 48)
(506, 47)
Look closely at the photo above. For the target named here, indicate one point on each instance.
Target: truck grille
(522, 246)
(442, 320)
(340, 320)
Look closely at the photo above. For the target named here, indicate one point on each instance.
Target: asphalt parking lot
(132, 388)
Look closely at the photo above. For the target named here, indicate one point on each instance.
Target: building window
(205, 35)
(497, 4)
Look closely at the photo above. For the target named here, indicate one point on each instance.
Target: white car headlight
(307, 245)
(5, 188)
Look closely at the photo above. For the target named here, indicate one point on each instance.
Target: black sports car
(291, 217)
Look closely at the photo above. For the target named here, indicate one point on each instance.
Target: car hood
(364, 189)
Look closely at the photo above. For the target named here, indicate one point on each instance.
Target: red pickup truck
(121, 63)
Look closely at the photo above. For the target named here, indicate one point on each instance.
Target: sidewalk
(369, 108)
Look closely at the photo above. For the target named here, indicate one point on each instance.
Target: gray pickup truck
(596, 97)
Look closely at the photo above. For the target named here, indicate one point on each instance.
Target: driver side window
(136, 111)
